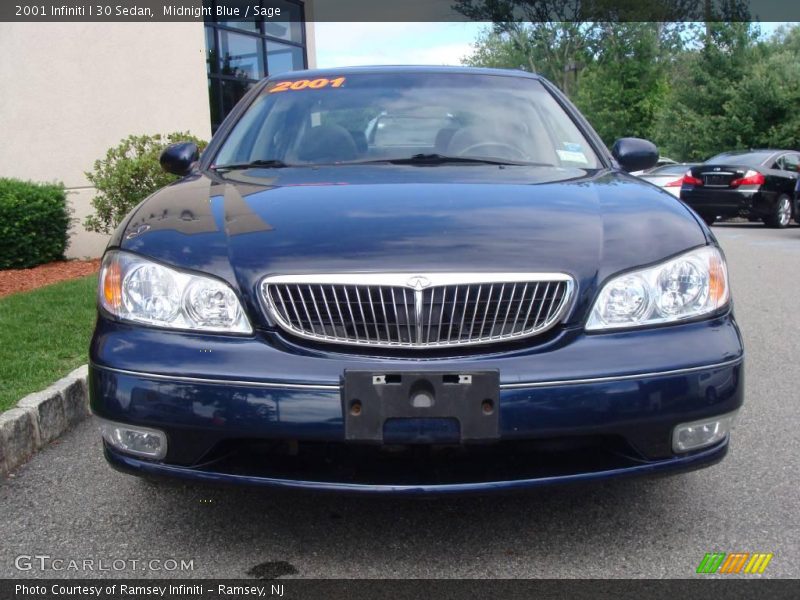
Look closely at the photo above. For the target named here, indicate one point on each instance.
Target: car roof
(767, 151)
(769, 155)
(749, 150)
(335, 72)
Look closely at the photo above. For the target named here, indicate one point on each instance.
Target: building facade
(239, 53)
(73, 90)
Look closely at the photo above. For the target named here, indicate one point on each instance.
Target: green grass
(44, 334)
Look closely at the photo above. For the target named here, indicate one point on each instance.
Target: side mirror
(179, 158)
(635, 154)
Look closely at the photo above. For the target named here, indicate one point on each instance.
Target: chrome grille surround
(417, 311)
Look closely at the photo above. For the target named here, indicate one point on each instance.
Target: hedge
(129, 173)
(34, 221)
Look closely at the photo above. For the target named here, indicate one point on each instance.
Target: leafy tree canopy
(694, 88)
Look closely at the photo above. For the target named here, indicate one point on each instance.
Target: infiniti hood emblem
(418, 282)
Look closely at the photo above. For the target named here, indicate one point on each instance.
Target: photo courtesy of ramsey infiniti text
(412, 280)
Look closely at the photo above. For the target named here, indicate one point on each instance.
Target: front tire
(709, 219)
(781, 214)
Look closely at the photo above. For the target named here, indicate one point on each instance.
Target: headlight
(136, 289)
(691, 285)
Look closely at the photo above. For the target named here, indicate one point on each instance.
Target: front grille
(417, 311)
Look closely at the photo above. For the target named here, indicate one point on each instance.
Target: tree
(550, 37)
(557, 38)
(558, 51)
(618, 76)
(622, 88)
(764, 108)
(694, 77)
(495, 49)
(691, 123)
(129, 172)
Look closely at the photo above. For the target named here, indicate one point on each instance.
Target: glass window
(407, 130)
(240, 55)
(282, 58)
(232, 91)
(754, 158)
(249, 25)
(215, 102)
(790, 162)
(211, 52)
(238, 21)
(394, 116)
(241, 52)
(289, 26)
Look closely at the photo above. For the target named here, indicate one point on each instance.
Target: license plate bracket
(371, 398)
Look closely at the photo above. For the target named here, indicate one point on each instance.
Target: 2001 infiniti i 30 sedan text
(407, 279)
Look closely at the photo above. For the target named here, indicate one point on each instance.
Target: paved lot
(67, 503)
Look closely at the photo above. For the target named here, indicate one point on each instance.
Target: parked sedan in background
(756, 184)
(669, 177)
(661, 162)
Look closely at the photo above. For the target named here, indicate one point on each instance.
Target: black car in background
(756, 184)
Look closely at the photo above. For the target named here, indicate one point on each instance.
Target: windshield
(391, 116)
(740, 158)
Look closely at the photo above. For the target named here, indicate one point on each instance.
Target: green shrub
(34, 220)
(128, 174)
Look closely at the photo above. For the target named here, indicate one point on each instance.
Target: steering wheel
(515, 153)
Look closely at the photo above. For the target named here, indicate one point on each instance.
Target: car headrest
(360, 138)
(328, 143)
(466, 137)
(443, 138)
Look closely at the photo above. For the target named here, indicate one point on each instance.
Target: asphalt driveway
(68, 504)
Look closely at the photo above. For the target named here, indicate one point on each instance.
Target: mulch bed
(21, 280)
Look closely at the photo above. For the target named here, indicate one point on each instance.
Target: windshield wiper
(271, 163)
(440, 159)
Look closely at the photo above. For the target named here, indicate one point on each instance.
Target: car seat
(327, 143)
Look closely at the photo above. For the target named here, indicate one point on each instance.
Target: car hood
(384, 218)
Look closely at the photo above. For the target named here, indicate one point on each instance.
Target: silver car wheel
(784, 212)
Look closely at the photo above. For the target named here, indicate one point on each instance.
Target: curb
(42, 417)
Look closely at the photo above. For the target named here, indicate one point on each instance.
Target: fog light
(132, 439)
(699, 434)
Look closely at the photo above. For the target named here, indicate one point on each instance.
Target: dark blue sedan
(405, 279)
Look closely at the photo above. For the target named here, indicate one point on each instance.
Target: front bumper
(583, 407)
(730, 202)
(677, 464)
